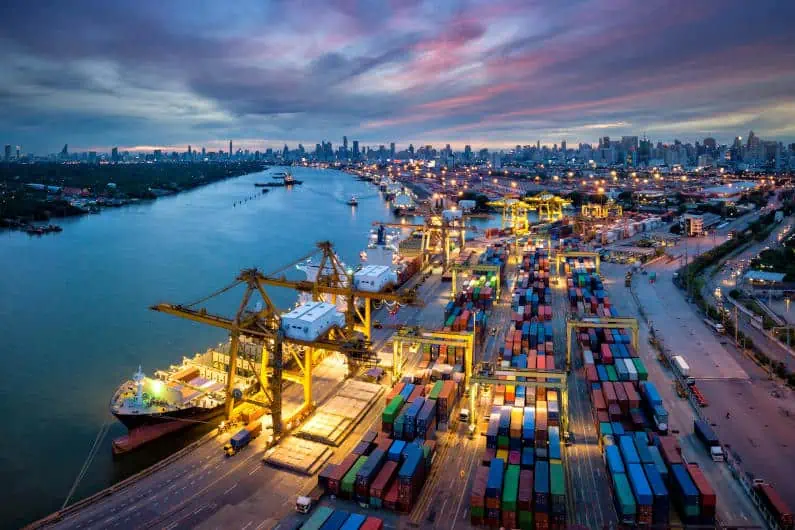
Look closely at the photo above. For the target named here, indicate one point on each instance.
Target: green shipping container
(318, 517)
(349, 479)
(526, 520)
(692, 510)
(450, 321)
(625, 502)
(557, 483)
(510, 489)
(436, 390)
(643, 374)
(612, 376)
(503, 442)
(391, 411)
(477, 511)
(605, 428)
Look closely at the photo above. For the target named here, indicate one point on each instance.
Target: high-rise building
(204, 152)
(467, 153)
(230, 148)
(345, 146)
(18, 148)
(411, 149)
(114, 154)
(356, 149)
(7, 153)
(563, 146)
(189, 151)
(392, 150)
(92, 157)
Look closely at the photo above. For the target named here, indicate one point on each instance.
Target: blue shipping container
(554, 443)
(494, 482)
(395, 450)
(685, 484)
(413, 460)
(336, 520)
(613, 457)
(354, 522)
(661, 503)
(640, 486)
(628, 451)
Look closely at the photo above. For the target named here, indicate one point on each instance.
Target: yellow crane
(437, 236)
(263, 326)
(549, 206)
(514, 214)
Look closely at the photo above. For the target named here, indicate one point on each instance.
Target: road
(683, 331)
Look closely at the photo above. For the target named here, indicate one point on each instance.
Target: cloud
(97, 72)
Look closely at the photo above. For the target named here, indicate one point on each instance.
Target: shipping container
(354, 522)
(372, 523)
(775, 505)
(541, 486)
(318, 517)
(382, 482)
(349, 480)
(626, 508)
(613, 458)
(642, 492)
(336, 520)
(661, 504)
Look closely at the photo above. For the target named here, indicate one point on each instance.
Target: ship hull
(188, 416)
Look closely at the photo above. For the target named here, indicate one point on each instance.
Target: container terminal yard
(514, 381)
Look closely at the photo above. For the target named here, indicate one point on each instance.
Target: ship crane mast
(263, 325)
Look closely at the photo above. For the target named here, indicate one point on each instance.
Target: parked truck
(775, 505)
(681, 367)
(243, 437)
(710, 440)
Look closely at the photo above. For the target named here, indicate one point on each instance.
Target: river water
(75, 323)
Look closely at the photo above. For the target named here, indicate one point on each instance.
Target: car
(377, 324)
(493, 331)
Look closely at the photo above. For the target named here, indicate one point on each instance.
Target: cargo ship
(184, 395)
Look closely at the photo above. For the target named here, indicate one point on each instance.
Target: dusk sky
(493, 73)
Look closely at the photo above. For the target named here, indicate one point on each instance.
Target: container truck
(710, 440)
(242, 438)
(681, 367)
(778, 509)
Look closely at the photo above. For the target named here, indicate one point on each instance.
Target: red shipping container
(550, 362)
(335, 480)
(418, 391)
(383, 480)
(602, 416)
(598, 399)
(394, 392)
(632, 394)
(707, 494)
(610, 393)
(372, 523)
(509, 519)
(614, 411)
(621, 395)
(525, 497)
(541, 520)
(591, 374)
(607, 355)
(391, 497)
(669, 449)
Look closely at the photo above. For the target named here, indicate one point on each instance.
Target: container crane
(263, 326)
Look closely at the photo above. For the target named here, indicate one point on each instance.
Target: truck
(242, 438)
(710, 440)
(775, 505)
(681, 367)
(304, 503)
(718, 327)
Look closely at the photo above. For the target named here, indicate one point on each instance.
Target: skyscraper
(345, 146)
(392, 150)
(8, 153)
(114, 154)
(230, 148)
(356, 149)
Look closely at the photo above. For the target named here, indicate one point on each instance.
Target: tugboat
(353, 201)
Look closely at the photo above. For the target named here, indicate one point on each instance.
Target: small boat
(265, 190)
(260, 184)
(281, 175)
(353, 201)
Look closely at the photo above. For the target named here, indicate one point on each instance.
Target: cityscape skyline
(489, 74)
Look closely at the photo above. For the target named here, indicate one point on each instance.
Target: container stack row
(330, 519)
(387, 469)
(512, 496)
(464, 313)
(647, 474)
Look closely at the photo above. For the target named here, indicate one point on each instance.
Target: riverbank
(41, 192)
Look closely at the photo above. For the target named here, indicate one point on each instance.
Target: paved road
(733, 503)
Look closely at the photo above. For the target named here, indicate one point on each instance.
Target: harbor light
(157, 387)
(555, 177)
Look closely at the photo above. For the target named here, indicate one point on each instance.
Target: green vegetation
(130, 180)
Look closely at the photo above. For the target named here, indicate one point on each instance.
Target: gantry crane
(549, 206)
(602, 211)
(514, 214)
(600, 322)
(263, 326)
(477, 267)
(561, 256)
(437, 235)
(416, 335)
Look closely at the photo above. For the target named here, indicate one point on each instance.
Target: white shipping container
(309, 321)
(633, 372)
(451, 215)
(373, 278)
(587, 357)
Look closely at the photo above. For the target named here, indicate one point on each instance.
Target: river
(76, 323)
